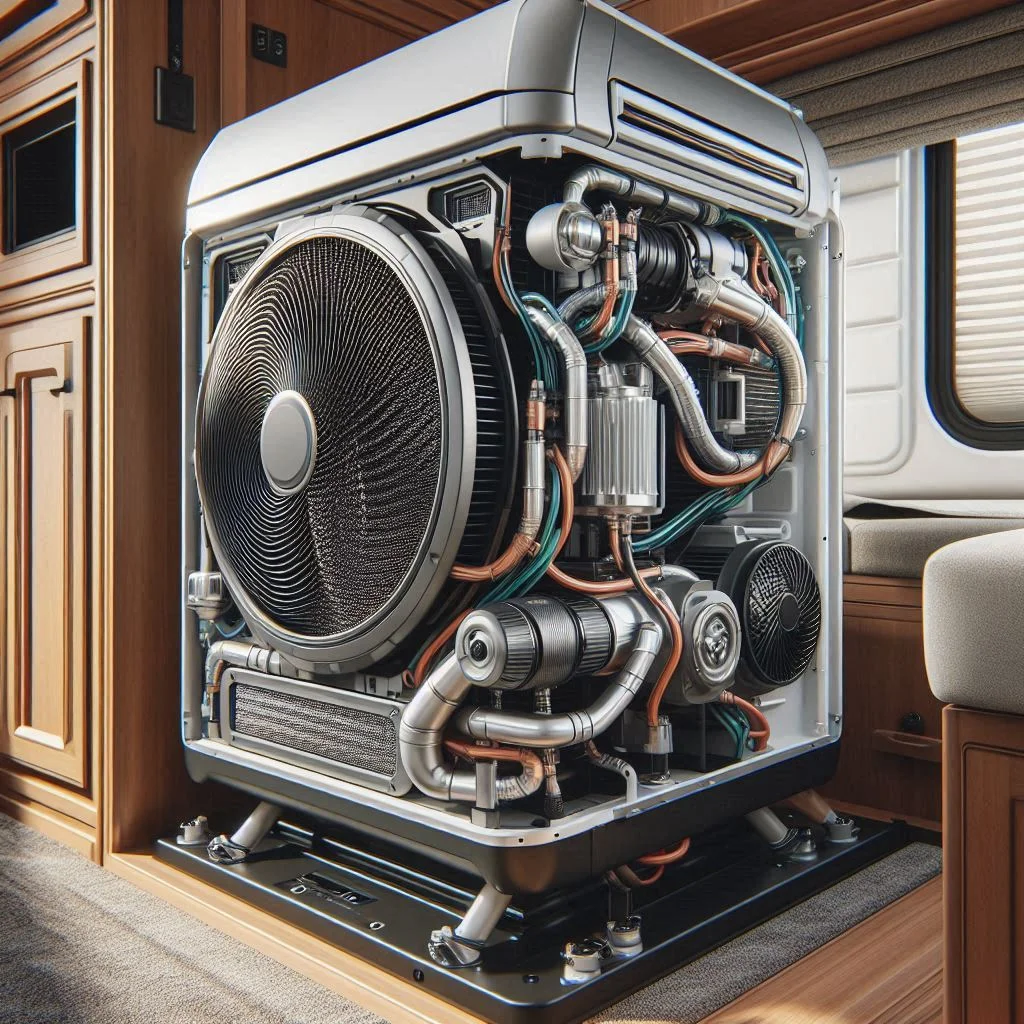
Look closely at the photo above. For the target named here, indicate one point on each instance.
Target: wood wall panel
(323, 41)
(149, 167)
(884, 678)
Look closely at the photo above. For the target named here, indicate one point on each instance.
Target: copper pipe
(755, 716)
(520, 546)
(435, 645)
(688, 343)
(771, 458)
(502, 244)
(610, 223)
(670, 856)
(666, 611)
(568, 498)
(478, 752)
(573, 582)
(524, 540)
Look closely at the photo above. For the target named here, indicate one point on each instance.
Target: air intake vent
(676, 138)
(345, 735)
(471, 202)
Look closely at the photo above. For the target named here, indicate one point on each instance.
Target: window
(976, 286)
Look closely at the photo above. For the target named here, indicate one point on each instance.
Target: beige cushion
(900, 547)
(973, 600)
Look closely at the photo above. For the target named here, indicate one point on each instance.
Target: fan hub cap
(789, 612)
(288, 442)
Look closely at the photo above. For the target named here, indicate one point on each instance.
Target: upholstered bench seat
(973, 602)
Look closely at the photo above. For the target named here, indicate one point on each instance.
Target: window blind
(988, 335)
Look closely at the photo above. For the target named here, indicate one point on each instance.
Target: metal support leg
(461, 946)
(792, 843)
(838, 827)
(767, 824)
(234, 849)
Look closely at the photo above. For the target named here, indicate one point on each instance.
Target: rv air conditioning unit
(512, 421)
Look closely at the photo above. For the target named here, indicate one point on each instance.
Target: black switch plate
(269, 45)
(175, 100)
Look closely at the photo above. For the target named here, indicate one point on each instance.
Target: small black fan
(774, 588)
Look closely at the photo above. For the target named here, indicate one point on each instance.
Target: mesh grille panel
(780, 654)
(333, 321)
(349, 736)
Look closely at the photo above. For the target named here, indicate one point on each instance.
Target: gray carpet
(81, 946)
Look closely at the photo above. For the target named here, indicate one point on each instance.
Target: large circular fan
(774, 588)
(335, 440)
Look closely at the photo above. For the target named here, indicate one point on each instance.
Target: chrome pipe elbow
(653, 351)
(575, 390)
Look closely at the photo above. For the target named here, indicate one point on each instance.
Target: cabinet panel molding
(70, 249)
(24, 23)
(44, 529)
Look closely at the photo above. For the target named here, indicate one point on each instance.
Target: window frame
(940, 316)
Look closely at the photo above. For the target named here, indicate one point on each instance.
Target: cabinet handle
(906, 744)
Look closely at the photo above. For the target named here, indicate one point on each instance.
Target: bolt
(477, 649)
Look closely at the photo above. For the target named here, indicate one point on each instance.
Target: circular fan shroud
(769, 582)
(355, 318)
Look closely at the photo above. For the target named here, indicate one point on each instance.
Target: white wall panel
(895, 448)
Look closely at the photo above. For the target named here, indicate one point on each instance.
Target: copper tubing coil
(611, 279)
(669, 856)
(755, 716)
(771, 458)
(603, 587)
(668, 613)
(476, 752)
(423, 664)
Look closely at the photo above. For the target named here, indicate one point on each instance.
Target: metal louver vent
(336, 440)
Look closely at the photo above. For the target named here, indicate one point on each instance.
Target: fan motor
(356, 433)
(773, 586)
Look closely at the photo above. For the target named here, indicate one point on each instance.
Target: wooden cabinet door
(43, 507)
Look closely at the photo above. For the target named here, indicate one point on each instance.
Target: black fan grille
(781, 655)
(332, 320)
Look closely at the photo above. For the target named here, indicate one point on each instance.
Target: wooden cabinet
(983, 848)
(43, 515)
(891, 748)
(51, 357)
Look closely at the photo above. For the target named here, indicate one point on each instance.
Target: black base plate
(383, 911)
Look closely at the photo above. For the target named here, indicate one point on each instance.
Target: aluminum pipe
(593, 176)
(527, 729)
(735, 301)
(575, 390)
(656, 353)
